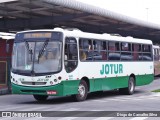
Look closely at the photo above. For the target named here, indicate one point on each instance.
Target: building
(6, 43)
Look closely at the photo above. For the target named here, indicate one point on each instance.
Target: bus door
(71, 58)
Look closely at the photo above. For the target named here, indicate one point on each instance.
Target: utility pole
(147, 13)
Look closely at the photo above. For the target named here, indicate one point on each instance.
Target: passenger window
(114, 51)
(95, 50)
(70, 54)
(125, 46)
(146, 48)
(85, 49)
(99, 50)
(126, 51)
(137, 54)
(147, 52)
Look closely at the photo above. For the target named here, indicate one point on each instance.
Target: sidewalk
(4, 90)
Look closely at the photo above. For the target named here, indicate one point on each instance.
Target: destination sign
(37, 35)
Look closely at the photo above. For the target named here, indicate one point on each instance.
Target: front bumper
(62, 89)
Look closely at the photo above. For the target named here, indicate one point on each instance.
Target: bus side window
(126, 51)
(85, 49)
(70, 54)
(147, 52)
(99, 50)
(137, 54)
(114, 51)
(82, 45)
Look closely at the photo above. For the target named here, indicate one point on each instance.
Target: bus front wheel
(82, 91)
(40, 97)
(130, 89)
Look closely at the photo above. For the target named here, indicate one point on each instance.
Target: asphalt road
(142, 100)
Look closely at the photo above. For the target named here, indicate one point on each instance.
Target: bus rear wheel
(130, 89)
(82, 91)
(40, 97)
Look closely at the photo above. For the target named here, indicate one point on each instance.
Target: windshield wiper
(32, 73)
(29, 50)
(41, 52)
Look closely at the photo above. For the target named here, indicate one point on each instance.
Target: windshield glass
(40, 57)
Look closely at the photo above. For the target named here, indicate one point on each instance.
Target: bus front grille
(34, 91)
(34, 83)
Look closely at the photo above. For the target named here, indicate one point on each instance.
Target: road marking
(97, 110)
(33, 108)
(69, 109)
(11, 108)
(98, 100)
(117, 99)
(133, 98)
(156, 94)
(53, 108)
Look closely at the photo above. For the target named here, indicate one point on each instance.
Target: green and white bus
(63, 62)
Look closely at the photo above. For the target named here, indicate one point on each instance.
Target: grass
(158, 90)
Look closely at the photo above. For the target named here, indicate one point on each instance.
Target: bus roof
(77, 33)
(7, 36)
(156, 46)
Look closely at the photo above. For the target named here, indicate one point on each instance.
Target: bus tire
(40, 97)
(130, 89)
(82, 91)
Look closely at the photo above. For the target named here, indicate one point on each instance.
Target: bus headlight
(55, 80)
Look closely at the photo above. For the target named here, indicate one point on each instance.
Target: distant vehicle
(156, 54)
(63, 62)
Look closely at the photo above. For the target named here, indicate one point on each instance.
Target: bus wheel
(40, 97)
(82, 91)
(130, 89)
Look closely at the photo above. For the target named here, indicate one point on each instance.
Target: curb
(4, 91)
(156, 93)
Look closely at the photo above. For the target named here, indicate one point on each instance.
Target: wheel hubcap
(81, 90)
(131, 84)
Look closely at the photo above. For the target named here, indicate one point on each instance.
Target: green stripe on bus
(70, 87)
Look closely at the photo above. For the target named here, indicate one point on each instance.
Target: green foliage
(158, 90)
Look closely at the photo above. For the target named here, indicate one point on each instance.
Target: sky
(147, 10)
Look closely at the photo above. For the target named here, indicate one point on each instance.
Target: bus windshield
(39, 56)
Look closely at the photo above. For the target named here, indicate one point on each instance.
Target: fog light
(51, 82)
